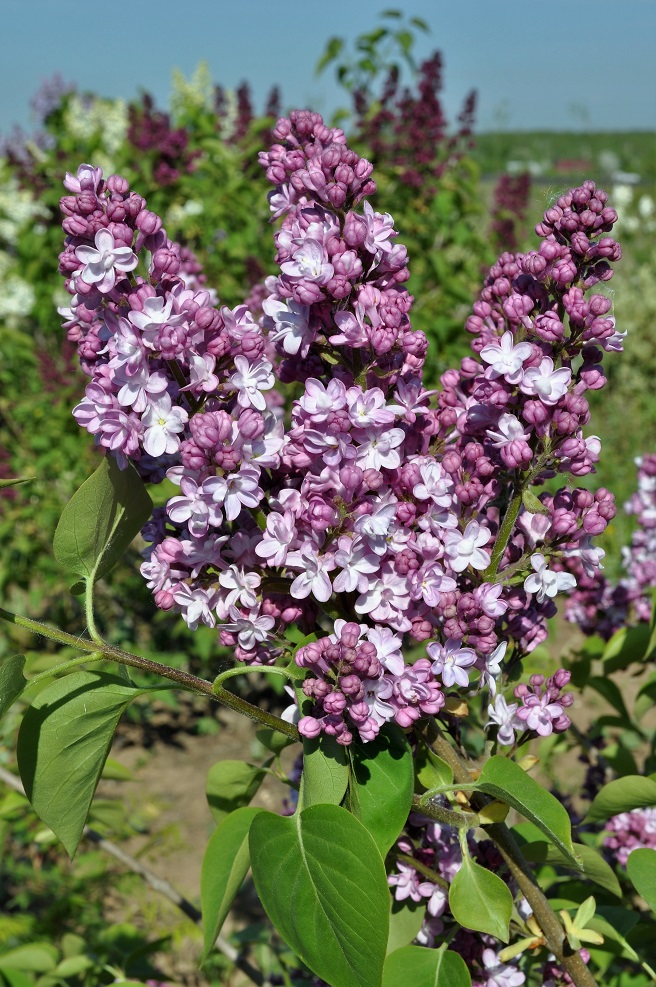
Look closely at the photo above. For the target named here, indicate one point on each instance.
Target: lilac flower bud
(165, 261)
(250, 423)
(309, 726)
(118, 184)
(148, 222)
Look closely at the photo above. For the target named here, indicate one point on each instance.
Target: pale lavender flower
(505, 358)
(500, 974)
(450, 661)
(546, 383)
(251, 629)
(162, 423)
(465, 548)
(503, 714)
(103, 261)
(544, 581)
(250, 380)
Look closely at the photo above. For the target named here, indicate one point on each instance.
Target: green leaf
(272, 740)
(37, 957)
(325, 772)
(481, 901)
(628, 645)
(611, 693)
(622, 795)
(425, 968)
(14, 482)
(100, 520)
(12, 681)
(506, 781)
(333, 48)
(615, 924)
(431, 770)
(381, 785)
(231, 785)
(115, 771)
(322, 882)
(225, 866)
(641, 868)
(63, 743)
(406, 919)
(594, 867)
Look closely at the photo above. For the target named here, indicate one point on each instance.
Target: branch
(158, 884)
(521, 871)
(186, 681)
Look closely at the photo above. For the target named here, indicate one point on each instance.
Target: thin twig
(157, 883)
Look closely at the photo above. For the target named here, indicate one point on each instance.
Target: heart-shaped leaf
(641, 868)
(506, 781)
(381, 785)
(479, 900)
(425, 968)
(325, 772)
(225, 866)
(231, 785)
(100, 520)
(63, 743)
(322, 882)
(12, 681)
(622, 795)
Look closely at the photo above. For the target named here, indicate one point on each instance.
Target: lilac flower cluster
(541, 708)
(601, 607)
(630, 831)
(374, 519)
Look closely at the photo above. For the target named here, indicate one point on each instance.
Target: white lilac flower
(319, 401)
(357, 563)
(156, 312)
(251, 629)
(500, 974)
(309, 261)
(236, 490)
(492, 669)
(450, 661)
(508, 429)
(503, 714)
(368, 407)
(544, 581)
(196, 605)
(465, 548)
(388, 648)
(589, 555)
(378, 450)
(250, 380)
(102, 261)
(278, 536)
(291, 327)
(314, 578)
(162, 423)
(435, 485)
(546, 383)
(506, 359)
(241, 586)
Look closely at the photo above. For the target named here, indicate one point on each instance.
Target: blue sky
(563, 64)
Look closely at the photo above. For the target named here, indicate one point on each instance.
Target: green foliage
(225, 866)
(641, 867)
(231, 785)
(63, 744)
(622, 795)
(505, 780)
(322, 882)
(100, 521)
(426, 968)
(479, 900)
(381, 784)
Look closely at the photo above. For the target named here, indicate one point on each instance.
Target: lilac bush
(391, 550)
